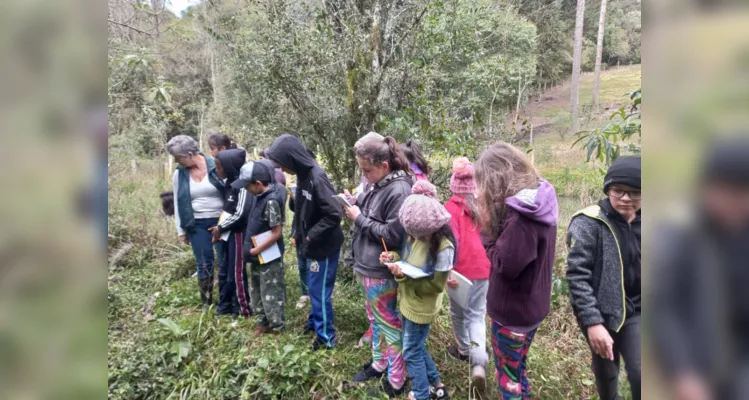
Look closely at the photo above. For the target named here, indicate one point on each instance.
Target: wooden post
(166, 170)
(533, 151)
(133, 166)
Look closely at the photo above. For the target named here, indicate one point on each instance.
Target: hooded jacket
(379, 221)
(472, 261)
(238, 202)
(522, 258)
(317, 214)
(596, 267)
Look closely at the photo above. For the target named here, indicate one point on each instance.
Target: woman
(375, 217)
(197, 205)
(603, 270)
(318, 230)
(518, 214)
(416, 160)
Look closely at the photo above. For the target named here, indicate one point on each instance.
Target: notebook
(271, 253)
(461, 294)
(224, 215)
(410, 270)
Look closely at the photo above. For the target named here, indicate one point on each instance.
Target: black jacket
(278, 193)
(379, 221)
(629, 236)
(237, 202)
(317, 214)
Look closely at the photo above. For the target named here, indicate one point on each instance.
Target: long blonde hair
(502, 171)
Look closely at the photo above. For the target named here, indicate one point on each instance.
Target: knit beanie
(421, 213)
(462, 182)
(625, 170)
(366, 138)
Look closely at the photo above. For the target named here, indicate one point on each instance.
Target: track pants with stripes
(322, 274)
(234, 296)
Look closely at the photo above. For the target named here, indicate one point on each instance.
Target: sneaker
(478, 378)
(387, 388)
(440, 393)
(235, 323)
(302, 302)
(367, 373)
(195, 275)
(453, 351)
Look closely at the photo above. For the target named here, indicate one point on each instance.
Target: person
(469, 323)
(418, 164)
(219, 142)
(430, 247)
(197, 205)
(603, 271)
(234, 296)
(167, 203)
(366, 338)
(301, 261)
(376, 224)
(267, 279)
(279, 175)
(318, 231)
(518, 215)
(699, 283)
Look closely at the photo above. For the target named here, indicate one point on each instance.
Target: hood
(232, 161)
(538, 204)
(398, 175)
(289, 152)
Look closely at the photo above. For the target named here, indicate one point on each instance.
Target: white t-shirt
(206, 200)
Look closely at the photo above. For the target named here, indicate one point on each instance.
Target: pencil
(383, 244)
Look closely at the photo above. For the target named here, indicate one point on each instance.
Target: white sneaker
(235, 323)
(195, 275)
(302, 302)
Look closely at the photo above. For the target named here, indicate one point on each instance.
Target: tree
(599, 52)
(576, 62)
(622, 133)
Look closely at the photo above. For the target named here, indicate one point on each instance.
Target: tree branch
(405, 35)
(130, 27)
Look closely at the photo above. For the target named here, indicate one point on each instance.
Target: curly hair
(502, 171)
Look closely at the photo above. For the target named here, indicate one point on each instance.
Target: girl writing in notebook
(468, 320)
(430, 246)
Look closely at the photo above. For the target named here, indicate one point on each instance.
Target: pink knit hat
(421, 213)
(462, 182)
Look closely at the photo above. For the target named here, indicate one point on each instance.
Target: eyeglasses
(619, 193)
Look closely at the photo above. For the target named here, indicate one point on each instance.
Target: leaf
(172, 326)
(587, 382)
(288, 349)
(263, 363)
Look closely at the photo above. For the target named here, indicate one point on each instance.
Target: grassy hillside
(161, 346)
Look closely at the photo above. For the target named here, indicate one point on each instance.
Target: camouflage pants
(268, 294)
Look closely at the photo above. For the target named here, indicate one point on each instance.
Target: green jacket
(419, 300)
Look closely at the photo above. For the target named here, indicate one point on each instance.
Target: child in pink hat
(468, 321)
(430, 246)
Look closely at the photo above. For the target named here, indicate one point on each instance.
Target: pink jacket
(472, 260)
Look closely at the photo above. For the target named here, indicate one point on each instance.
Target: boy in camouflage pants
(267, 281)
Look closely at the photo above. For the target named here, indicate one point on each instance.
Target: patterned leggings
(382, 310)
(510, 354)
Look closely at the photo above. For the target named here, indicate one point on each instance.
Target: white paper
(461, 294)
(269, 254)
(223, 216)
(410, 270)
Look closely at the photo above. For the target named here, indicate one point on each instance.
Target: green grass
(614, 86)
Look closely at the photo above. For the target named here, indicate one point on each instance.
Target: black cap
(252, 172)
(728, 162)
(625, 170)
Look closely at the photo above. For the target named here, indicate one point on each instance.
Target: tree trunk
(577, 54)
(599, 52)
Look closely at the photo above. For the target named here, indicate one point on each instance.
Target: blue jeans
(303, 272)
(421, 367)
(202, 248)
(322, 275)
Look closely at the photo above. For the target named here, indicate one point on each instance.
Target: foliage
(623, 132)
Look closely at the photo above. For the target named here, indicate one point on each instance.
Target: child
(218, 142)
(603, 271)
(167, 203)
(267, 279)
(518, 214)
(430, 246)
(232, 276)
(469, 324)
(418, 164)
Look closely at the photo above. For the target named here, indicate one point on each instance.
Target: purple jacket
(522, 258)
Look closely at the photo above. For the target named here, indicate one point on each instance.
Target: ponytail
(385, 150)
(219, 140)
(413, 153)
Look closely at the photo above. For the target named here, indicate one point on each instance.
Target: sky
(176, 6)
